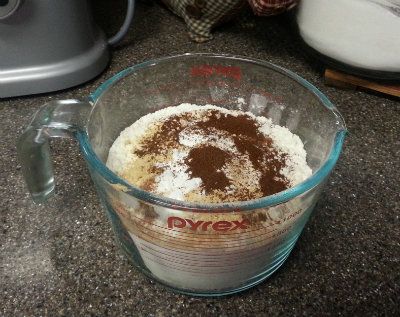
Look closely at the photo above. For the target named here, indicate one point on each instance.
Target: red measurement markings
(217, 226)
(209, 70)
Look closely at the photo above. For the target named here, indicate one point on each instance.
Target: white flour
(121, 152)
(175, 182)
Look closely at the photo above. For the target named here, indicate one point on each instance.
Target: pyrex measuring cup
(202, 249)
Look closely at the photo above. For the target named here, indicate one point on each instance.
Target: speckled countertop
(60, 258)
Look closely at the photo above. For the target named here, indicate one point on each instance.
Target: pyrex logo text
(177, 222)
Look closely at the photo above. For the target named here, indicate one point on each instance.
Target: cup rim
(316, 178)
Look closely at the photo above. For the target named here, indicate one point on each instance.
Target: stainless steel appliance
(47, 45)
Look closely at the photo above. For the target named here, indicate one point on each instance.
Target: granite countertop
(60, 258)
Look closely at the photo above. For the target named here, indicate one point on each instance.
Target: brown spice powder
(207, 161)
(250, 141)
(166, 137)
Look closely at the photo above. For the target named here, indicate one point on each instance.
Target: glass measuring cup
(201, 249)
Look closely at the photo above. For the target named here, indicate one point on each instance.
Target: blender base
(57, 75)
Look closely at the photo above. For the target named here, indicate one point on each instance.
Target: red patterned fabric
(271, 7)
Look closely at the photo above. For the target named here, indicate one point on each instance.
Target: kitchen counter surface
(60, 259)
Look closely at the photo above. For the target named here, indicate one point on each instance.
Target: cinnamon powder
(208, 161)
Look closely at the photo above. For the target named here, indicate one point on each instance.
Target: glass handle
(59, 118)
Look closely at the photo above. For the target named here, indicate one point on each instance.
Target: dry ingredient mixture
(208, 154)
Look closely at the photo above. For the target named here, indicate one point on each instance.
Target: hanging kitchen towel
(201, 15)
(271, 7)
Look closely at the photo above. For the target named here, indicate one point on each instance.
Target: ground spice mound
(206, 162)
(208, 154)
(166, 135)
